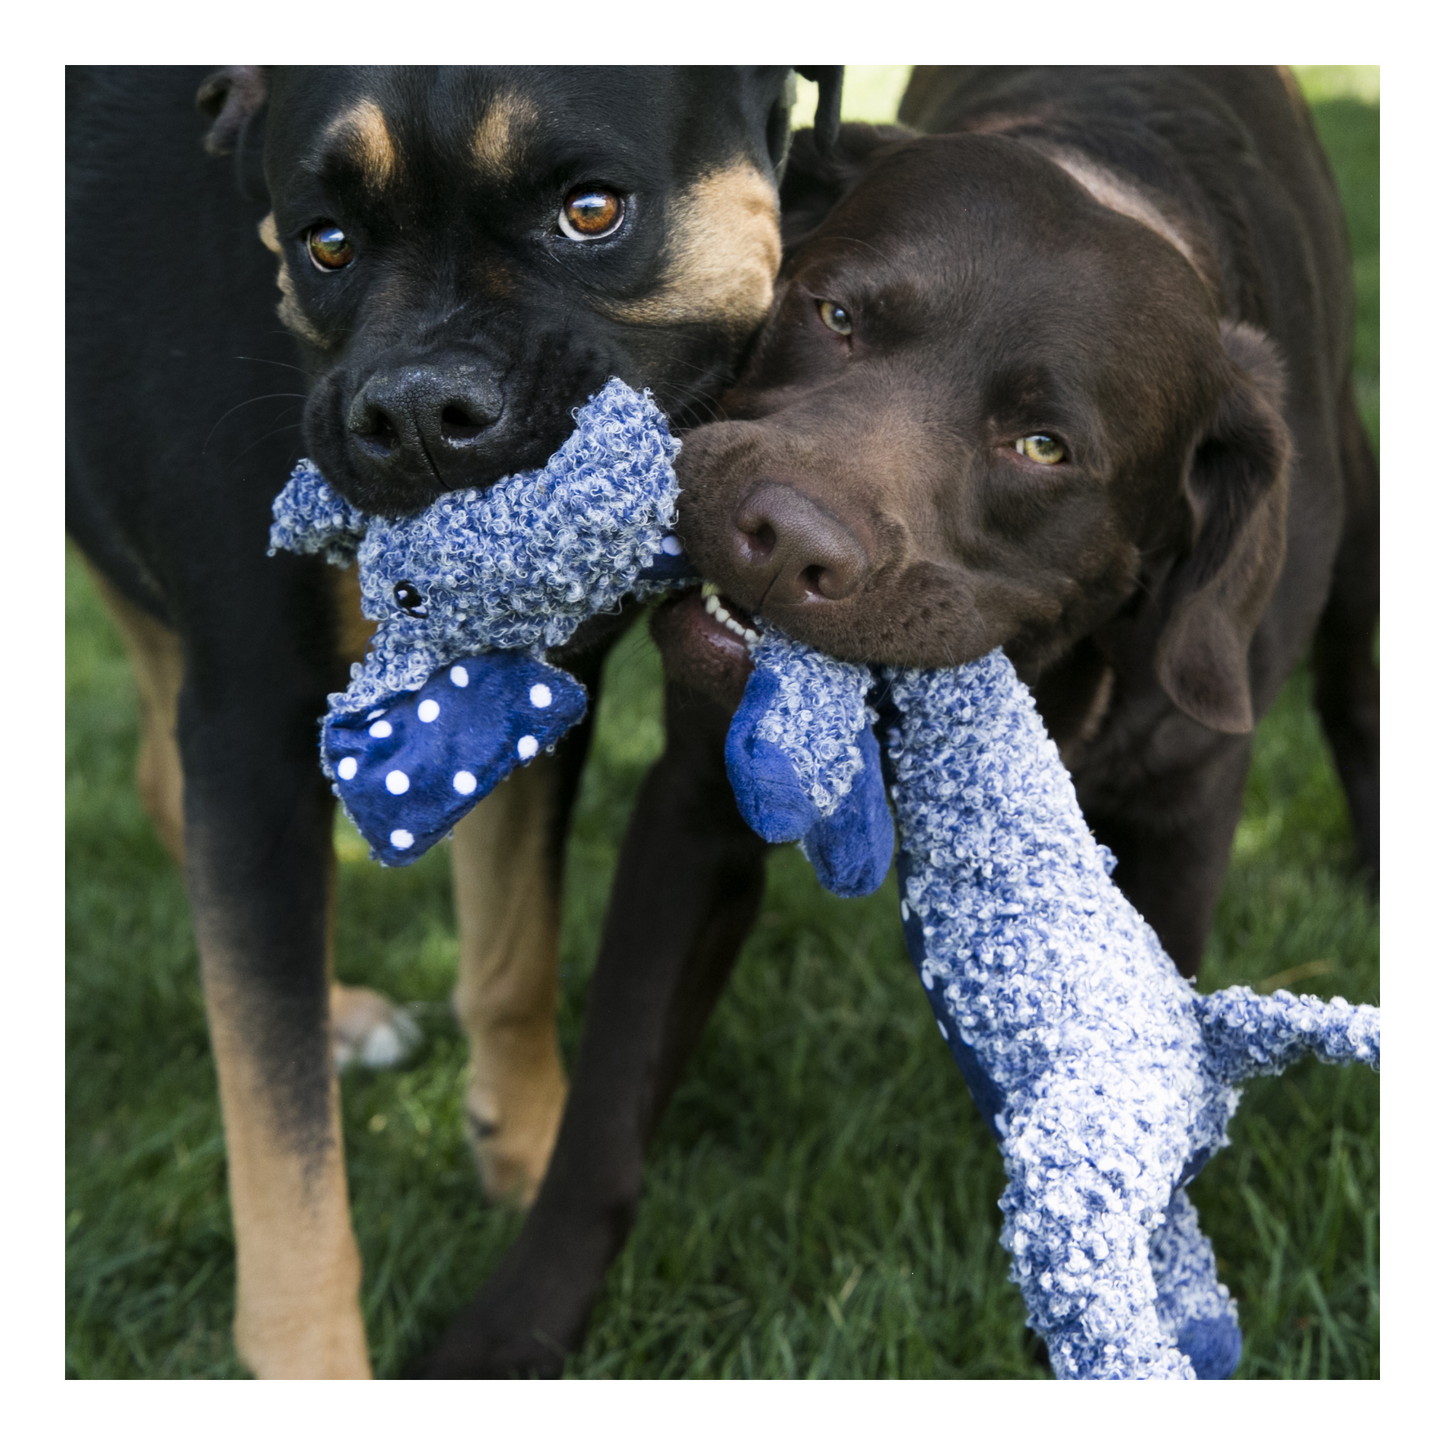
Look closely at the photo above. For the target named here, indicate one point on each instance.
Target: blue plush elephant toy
(1107, 1080)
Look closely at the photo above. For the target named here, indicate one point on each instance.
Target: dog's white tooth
(749, 635)
(709, 590)
(710, 606)
(722, 614)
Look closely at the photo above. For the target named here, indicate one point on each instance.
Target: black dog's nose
(417, 424)
(793, 549)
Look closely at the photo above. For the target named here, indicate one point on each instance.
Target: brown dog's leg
(1347, 682)
(506, 996)
(688, 885)
(1173, 836)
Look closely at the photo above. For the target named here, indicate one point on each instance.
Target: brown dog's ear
(814, 182)
(1237, 488)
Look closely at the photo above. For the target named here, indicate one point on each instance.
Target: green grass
(820, 1200)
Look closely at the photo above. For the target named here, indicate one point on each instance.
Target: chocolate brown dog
(1072, 378)
(464, 255)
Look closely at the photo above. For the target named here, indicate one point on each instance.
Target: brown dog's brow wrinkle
(360, 134)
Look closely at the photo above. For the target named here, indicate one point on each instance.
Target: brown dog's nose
(793, 549)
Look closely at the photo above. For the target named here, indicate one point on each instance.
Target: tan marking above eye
(589, 213)
(835, 318)
(1041, 448)
(363, 131)
(499, 140)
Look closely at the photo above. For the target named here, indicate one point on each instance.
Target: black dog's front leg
(259, 862)
(688, 885)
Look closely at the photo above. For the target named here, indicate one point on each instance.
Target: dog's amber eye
(1046, 449)
(835, 318)
(330, 250)
(590, 212)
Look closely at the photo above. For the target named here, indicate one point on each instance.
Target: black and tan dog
(464, 255)
(1071, 377)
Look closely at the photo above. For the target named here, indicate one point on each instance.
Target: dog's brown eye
(1046, 449)
(590, 212)
(835, 318)
(330, 250)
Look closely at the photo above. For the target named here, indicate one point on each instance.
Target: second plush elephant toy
(1106, 1078)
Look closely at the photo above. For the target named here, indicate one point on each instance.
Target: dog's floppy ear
(815, 181)
(1237, 488)
(234, 101)
(829, 80)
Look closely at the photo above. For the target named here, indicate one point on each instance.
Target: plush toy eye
(590, 212)
(835, 318)
(1041, 448)
(409, 599)
(329, 247)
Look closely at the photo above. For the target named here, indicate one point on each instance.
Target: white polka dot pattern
(458, 675)
(346, 769)
(465, 783)
(397, 782)
(400, 838)
(380, 729)
(541, 695)
(526, 747)
(429, 710)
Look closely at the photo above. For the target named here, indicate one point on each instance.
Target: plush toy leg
(851, 846)
(1248, 1034)
(850, 850)
(1084, 1270)
(770, 795)
(1192, 1305)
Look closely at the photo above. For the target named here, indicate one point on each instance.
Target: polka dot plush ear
(468, 595)
(1107, 1080)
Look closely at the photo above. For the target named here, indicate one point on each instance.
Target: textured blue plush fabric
(468, 594)
(1107, 1079)
(804, 763)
